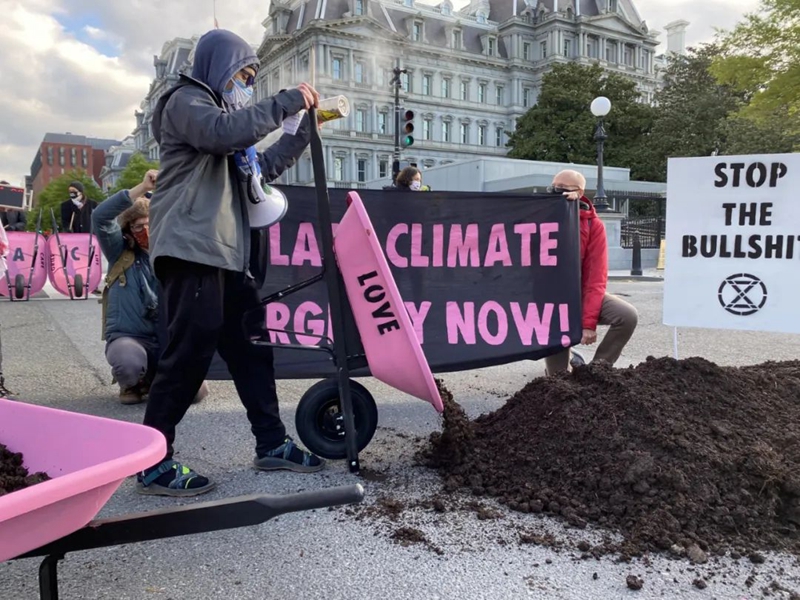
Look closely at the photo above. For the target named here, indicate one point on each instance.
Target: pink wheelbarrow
(77, 270)
(88, 458)
(27, 264)
(337, 418)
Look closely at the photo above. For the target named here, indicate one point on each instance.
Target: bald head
(570, 180)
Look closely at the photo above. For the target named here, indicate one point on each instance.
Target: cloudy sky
(84, 66)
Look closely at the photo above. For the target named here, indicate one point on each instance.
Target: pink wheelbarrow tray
(78, 284)
(336, 418)
(18, 287)
(88, 458)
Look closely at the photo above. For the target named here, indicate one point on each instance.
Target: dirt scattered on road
(683, 456)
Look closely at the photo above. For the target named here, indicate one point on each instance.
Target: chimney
(676, 36)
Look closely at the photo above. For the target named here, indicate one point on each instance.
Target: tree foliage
(760, 57)
(56, 192)
(560, 128)
(695, 114)
(134, 172)
(691, 111)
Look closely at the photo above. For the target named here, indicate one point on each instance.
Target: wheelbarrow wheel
(320, 421)
(77, 283)
(19, 286)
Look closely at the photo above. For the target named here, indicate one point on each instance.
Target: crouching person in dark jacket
(200, 247)
(130, 298)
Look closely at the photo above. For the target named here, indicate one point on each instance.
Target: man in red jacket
(599, 307)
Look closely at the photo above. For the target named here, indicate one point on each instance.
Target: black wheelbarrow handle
(242, 511)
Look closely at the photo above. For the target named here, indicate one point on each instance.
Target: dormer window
(481, 16)
(492, 46)
(358, 8)
(447, 8)
(416, 31)
(456, 39)
(408, 3)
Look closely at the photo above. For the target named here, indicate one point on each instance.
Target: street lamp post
(600, 107)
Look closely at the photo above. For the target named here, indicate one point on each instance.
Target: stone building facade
(471, 73)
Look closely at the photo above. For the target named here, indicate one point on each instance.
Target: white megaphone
(265, 212)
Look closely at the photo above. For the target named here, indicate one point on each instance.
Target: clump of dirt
(674, 455)
(13, 474)
(405, 536)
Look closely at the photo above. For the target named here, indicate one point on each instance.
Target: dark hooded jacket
(198, 211)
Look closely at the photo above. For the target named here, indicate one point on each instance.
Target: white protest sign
(733, 243)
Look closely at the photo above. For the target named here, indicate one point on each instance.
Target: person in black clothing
(76, 213)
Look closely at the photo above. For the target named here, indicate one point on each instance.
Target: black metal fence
(644, 216)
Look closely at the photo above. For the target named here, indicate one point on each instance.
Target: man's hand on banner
(589, 337)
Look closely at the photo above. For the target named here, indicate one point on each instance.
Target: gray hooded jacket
(198, 211)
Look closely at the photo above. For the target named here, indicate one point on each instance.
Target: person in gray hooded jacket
(200, 248)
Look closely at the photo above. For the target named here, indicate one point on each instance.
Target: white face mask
(238, 96)
(416, 185)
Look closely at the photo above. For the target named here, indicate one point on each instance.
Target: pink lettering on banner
(525, 232)
(305, 247)
(563, 313)
(498, 247)
(275, 257)
(532, 322)
(303, 324)
(418, 316)
(392, 254)
(547, 244)
(460, 323)
(493, 339)
(462, 250)
(438, 245)
(417, 258)
(278, 317)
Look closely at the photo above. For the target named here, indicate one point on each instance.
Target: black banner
(487, 279)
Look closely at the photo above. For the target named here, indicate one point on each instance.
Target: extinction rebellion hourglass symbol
(742, 294)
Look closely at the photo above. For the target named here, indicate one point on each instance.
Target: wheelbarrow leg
(48, 577)
(333, 283)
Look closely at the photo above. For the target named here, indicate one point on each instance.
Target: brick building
(61, 153)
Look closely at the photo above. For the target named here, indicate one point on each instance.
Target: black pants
(204, 307)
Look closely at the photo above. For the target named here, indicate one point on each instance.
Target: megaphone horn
(269, 210)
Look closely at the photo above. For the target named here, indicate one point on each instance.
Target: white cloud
(55, 82)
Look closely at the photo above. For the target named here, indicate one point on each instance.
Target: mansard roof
(475, 20)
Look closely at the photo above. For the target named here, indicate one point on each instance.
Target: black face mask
(73, 195)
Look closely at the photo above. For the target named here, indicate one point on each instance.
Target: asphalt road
(53, 356)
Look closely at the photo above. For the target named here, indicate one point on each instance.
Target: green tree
(134, 172)
(760, 57)
(560, 128)
(56, 192)
(691, 113)
(766, 135)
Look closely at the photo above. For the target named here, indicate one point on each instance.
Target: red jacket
(594, 263)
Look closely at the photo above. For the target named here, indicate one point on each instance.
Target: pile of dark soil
(13, 475)
(674, 455)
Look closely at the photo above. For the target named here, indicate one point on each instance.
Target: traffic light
(408, 128)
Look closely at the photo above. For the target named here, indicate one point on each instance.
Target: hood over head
(219, 55)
